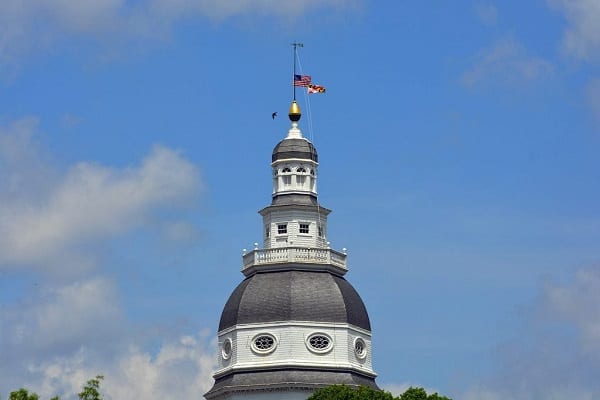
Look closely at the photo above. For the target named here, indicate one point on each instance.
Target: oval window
(264, 343)
(360, 348)
(319, 343)
(226, 349)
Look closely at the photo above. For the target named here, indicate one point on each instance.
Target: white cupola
(295, 161)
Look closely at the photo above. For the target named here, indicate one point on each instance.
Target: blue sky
(458, 148)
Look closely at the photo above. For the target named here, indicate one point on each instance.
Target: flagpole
(295, 45)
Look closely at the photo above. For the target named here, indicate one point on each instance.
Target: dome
(294, 296)
(295, 148)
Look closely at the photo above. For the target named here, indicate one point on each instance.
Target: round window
(319, 343)
(264, 343)
(360, 348)
(226, 349)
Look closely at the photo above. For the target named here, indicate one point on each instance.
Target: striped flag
(301, 80)
(315, 89)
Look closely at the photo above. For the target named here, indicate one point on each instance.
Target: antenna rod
(295, 45)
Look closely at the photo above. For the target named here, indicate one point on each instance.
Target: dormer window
(304, 228)
(281, 229)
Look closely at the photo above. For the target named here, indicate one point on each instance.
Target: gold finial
(295, 113)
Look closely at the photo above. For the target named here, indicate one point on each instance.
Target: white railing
(284, 255)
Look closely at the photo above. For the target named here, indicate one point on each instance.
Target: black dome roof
(295, 148)
(287, 379)
(294, 296)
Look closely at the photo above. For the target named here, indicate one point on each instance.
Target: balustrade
(283, 255)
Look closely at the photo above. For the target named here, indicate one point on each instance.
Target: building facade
(294, 323)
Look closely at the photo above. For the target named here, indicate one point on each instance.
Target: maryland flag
(315, 89)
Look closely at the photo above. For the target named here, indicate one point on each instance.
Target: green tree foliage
(420, 394)
(342, 392)
(23, 394)
(91, 390)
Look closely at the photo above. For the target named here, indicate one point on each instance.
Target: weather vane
(295, 45)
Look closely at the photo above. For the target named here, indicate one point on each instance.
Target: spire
(294, 115)
(295, 45)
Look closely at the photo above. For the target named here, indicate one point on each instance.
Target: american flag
(301, 80)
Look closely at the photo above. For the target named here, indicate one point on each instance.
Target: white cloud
(53, 342)
(34, 25)
(24, 170)
(45, 219)
(506, 62)
(181, 369)
(578, 305)
(223, 9)
(56, 320)
(51, 323)
(581, 38)
(180, 232)
(557, 354)
(57, 333)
